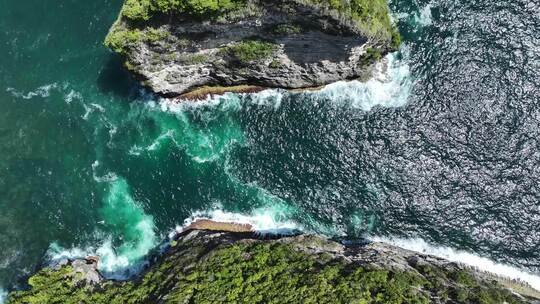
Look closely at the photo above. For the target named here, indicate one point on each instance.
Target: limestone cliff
(211, 266)
(175, 46)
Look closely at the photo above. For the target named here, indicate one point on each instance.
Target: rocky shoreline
(291, 44)
(213, 262)
(191, 49)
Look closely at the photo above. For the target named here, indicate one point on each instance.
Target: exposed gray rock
(313, 45)
(87, 270)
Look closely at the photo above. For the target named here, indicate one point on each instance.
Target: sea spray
(424, 17)
(390, 86)
(417, 18)
(125, 218)
(482, 263)
(269, 220)
(3, 295)
(128, 237)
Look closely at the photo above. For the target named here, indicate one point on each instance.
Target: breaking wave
(390, 86)
(482, 263)
(3, 295)
(128, 236)
(272, 220)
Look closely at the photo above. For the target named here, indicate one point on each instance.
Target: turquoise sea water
(438, 152)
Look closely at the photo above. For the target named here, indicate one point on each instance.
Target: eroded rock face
(286, 44)
(88, 270)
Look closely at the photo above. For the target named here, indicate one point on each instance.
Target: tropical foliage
(258, 272)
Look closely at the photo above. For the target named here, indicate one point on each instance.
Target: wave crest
(450, 254)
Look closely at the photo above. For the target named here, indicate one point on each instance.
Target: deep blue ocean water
(439, 152)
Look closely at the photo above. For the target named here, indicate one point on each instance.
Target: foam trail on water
(467, 258)
(72, 95)
(124, 215)
(43, 91)
(109, 177)
(205, 130)
(133, 229)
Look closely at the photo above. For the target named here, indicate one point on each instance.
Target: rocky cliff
(177, 46)
(212, 266)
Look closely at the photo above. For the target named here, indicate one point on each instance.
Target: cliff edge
(177, 46)
(212, 266)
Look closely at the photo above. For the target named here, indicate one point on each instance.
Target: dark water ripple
(459, 165)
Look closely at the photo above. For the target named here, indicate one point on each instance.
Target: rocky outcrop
(176, 48)
(204, 224)
(204, 266)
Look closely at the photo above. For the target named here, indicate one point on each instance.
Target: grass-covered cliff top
(144, 10)
(371, 15)
(210, 267)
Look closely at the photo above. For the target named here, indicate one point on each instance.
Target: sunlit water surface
(439, 152)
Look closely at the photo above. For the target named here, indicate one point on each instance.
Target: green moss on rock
(192, 59)
(120, 40)
(250, 50)
(372, 16)
(155, 35)
(144, 10)
(287, 29)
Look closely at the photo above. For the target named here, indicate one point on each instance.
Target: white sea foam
(390, 86)
(423, 17)
(269, 220)
(271, 97)
(72, 95)
(116, 265)
(227, 101)
(3, 295)
(155, 145)
(108, 177)
(111, 264)
(91, 108)
(138, 234)
(482, 263)
(42, 91)
(419, 18)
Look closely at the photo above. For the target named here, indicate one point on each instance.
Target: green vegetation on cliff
(372, 15)
(250, 50)
(119, 40)
(224, 270)
(143, 10)
(175, 46)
